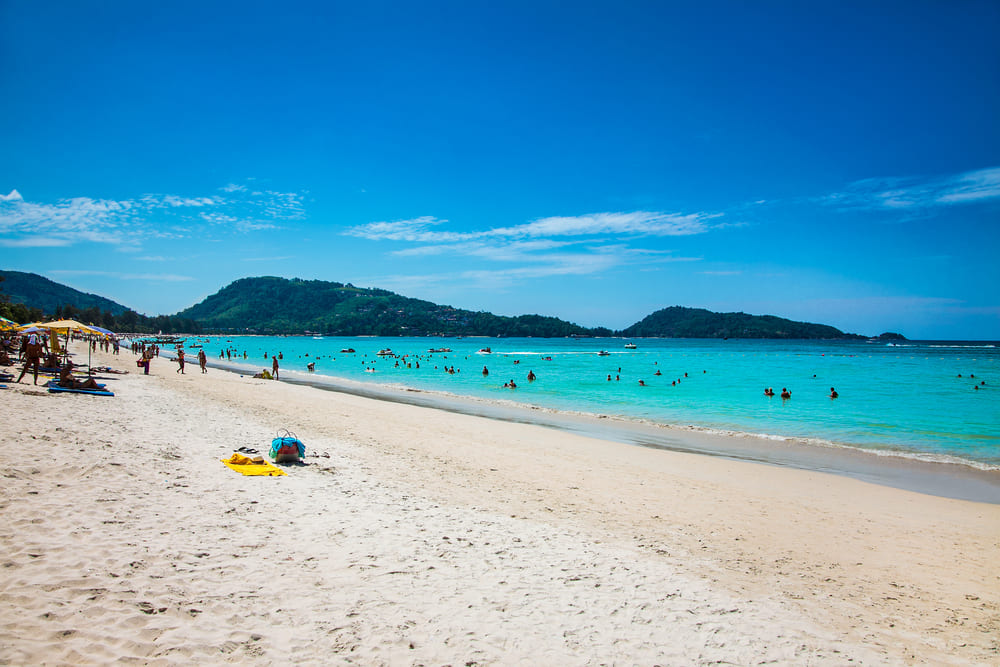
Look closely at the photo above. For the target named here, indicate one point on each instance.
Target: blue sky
(830, 162)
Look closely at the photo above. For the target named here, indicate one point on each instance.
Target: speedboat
(385, 352)
(604, 353)
(629, 346)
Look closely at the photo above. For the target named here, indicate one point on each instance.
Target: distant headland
(272, 305)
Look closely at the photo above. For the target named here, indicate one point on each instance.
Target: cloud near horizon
(155, 277)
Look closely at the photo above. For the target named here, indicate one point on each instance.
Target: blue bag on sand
(287, 447)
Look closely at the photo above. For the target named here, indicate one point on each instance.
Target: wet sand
(426, 536)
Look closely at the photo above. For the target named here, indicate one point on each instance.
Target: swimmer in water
(785, 393)
(833, 393)
(768, 391)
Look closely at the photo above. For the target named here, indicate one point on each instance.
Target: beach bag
(287, 447)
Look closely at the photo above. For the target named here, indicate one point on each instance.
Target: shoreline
(956, 479)
(419, 536)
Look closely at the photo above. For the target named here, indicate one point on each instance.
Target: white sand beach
(417, 536)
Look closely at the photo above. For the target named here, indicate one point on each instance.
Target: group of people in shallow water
(412, 360)
(785, 394)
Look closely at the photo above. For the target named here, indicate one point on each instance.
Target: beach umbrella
(6, 325)
(67, 326)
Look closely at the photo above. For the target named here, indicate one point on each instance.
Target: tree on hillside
(18, 312)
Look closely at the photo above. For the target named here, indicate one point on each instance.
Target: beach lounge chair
(54, 388)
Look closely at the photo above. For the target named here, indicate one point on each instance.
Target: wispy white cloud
(153, 277)
(914, 194)
(634, 223)
(417, 230)
(34, 242)
(551, 246)
(152, 216)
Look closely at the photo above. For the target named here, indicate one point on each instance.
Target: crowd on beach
(38, 355)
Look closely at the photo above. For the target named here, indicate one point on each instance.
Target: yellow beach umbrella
(66, 326)
(7, 325)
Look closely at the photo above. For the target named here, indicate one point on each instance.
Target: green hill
(269, 305)
(27, 297)
(680, 322)
(279, 305)
(39, 292)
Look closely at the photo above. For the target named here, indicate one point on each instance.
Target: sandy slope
(427, 537)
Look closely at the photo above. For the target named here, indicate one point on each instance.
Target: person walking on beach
(32, 357)
(202, 360)
(180, 362)
(274, 367)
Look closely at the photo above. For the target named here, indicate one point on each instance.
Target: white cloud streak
(551, 246)
(152, 216)
(634, 223)
(153, 277)
(913, 194)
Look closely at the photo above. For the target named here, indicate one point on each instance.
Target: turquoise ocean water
(914, 399)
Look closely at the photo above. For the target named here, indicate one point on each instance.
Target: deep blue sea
(914, 399)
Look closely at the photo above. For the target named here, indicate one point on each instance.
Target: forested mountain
(39, 292)
(680, 322)
(269, 305)
(280, 305)
(28, 297)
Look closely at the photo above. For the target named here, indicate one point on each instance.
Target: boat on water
(348, 350)
(385, 352)
(604, 353)
(439, 349)
(486, 350)
(629, 346)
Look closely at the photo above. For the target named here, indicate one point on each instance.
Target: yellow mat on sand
(252, 466)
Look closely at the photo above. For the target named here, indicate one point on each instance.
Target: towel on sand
(252, 466)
